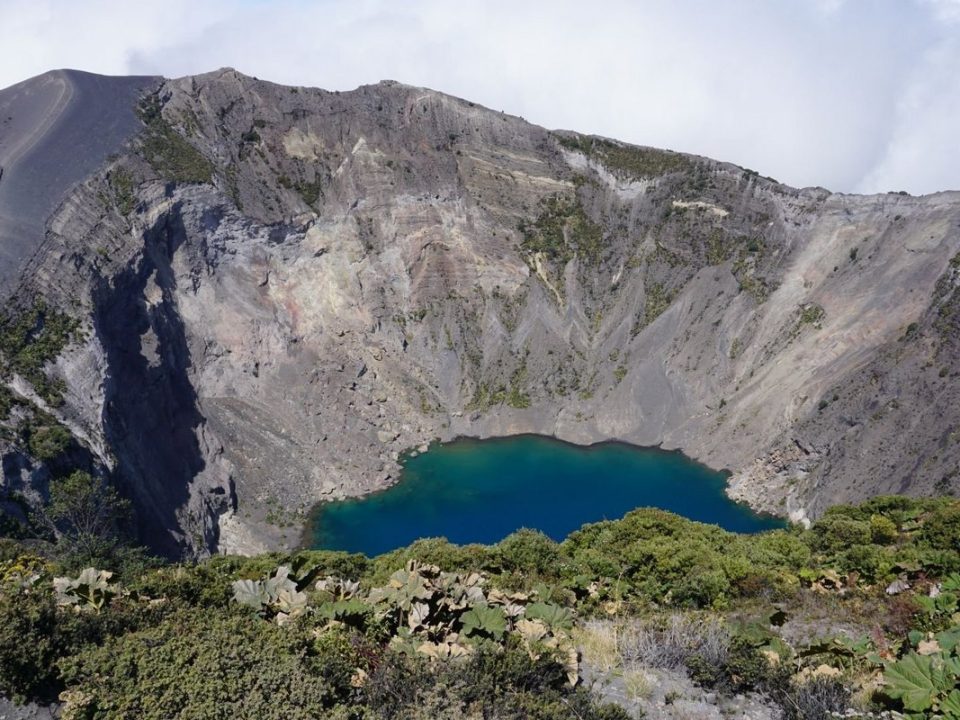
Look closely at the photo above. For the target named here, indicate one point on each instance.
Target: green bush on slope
(169, 153)
(30, 340)
(378, 642)
(35, 634)
(199, 663)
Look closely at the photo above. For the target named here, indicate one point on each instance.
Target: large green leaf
(92, 588)
(916, 680)
(946, 602)
(303, 572)
(405, 588)
(951, 706)
(352, 612)
(250, 593)
(532, 630)
(291, 602)
(484, 621)
(279, 583)
(949, 639)
(554, 616)
(754, 632)
(951, 583)
(419, 613)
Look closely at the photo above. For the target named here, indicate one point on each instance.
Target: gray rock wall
(364, 276)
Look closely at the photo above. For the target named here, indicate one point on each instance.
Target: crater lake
(479, 491)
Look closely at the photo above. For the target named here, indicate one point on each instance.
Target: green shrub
(85, 513)
(209, 583)
(170, 643)
(11, 550)
(628, 161)
(350, 566)
(892, 506)
(29, 646)
(562, 230)
(124, 190)
(778, 548)
(873, 562)
(883, 530)
(941, 530)
(206, 664)
(434, 551)
(658, 555)
(204, 585)
(702, 588)
(30, 339)
(128, 562)
(656, 300)
(596, 562)
(742, 668)
(835, 533)
(169, 153)
(529, 552)
(811, 314)
(35, 634)
(507, 685)
(47, 440)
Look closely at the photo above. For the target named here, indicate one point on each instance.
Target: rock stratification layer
(285, 287)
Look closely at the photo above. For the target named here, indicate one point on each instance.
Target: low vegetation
(484, 398)
(123, 187)
(503, 631)
(628, 161)
(745, 271)
(170, 154)
(808, 315)
(44, 436)
(656, 300)
(310, 192)
(811, 314)
(30, 340)
(561, 231)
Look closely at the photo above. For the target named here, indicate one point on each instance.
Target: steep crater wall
(287, 287)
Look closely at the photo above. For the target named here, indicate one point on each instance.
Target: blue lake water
(482, 490)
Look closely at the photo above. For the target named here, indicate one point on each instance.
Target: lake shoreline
(579, 452)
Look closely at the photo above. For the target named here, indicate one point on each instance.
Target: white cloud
(923, 151)
(851, 96)
(946, 10)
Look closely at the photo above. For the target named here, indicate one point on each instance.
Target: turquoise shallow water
(482, 490)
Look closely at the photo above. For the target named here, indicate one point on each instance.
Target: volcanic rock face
(55, 130)
(285, 287)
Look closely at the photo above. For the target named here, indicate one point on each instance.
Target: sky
(851, 95)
